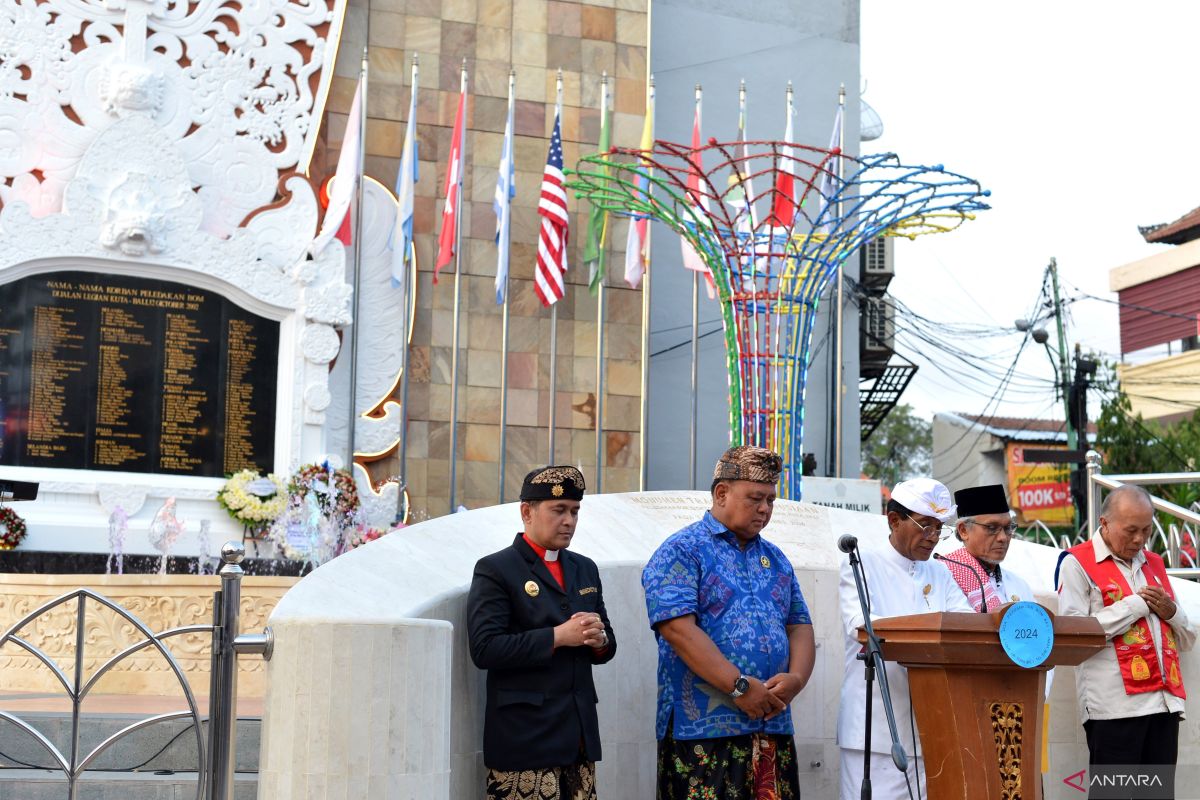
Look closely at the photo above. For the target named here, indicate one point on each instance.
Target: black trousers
(1149, 740)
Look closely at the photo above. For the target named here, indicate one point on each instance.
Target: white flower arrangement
(253, 500)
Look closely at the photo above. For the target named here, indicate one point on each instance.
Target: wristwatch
(740, 686)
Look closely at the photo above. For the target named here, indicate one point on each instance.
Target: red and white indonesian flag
(692, 259)
(783, 203)
(336, 224)
(447, 241)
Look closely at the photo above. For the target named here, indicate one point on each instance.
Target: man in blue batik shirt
(735, 644)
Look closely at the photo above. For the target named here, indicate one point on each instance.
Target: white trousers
(887, 782)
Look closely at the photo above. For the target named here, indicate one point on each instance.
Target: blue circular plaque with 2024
(1027, 634)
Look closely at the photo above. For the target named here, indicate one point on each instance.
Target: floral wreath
(247, 497)
(321, 513)
(312, 477)
(12, 528)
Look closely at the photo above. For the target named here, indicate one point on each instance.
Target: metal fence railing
(1176, 540)
(214, 757)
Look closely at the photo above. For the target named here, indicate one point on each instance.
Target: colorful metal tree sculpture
(773, 254)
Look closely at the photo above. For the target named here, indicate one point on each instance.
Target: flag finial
(651, 80)
(415, 60)
(604, 77)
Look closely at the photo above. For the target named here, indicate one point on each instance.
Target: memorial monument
(163, 323)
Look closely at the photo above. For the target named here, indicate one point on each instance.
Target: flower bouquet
(12, 528)
(322, 511)
(253, 500)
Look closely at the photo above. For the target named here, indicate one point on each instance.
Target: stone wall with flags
(535, 38)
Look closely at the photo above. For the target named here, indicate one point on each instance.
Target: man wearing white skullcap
(900, 579)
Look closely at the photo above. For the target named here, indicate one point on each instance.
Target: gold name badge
(766, 562)
(532, 589)
(588, 590)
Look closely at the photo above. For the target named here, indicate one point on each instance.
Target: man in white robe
(900, 580)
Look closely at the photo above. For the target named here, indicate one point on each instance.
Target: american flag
(552, 243)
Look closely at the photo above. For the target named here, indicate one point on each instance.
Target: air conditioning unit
(877, 262)
(878, 326)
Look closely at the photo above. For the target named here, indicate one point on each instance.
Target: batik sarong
(574, 782)
(758, 766)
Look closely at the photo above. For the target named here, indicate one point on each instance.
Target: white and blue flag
(506, 190)
(406, 179)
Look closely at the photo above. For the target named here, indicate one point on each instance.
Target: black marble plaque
(109, 372)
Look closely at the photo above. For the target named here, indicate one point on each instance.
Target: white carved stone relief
(128, 497)
(148, 137)
(320, 343)
(230, 82)
(381, 346)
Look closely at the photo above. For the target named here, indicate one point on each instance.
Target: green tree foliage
(1131, 444)
(900, 448)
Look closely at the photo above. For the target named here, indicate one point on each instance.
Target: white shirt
(897, 586)
(1098, 682)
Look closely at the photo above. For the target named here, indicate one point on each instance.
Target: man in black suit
(536, 623)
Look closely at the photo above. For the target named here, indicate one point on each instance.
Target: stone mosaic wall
(534, 37)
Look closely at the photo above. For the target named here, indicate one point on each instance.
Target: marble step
(162, 746)
(32, 784)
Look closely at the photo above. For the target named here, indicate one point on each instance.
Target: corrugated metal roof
(1023, 429)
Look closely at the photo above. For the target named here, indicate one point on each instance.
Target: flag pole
(406, 332)
(458, 278)
(600, 316)
(357, 280)
(554, 310)
(512, 83)
(839, 367)
(695, 415)
(644, 472)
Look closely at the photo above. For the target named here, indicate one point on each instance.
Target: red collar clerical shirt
(549, 558)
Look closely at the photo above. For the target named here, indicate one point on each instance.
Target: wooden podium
(979, 715)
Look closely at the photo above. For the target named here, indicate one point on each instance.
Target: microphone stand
(872, 658)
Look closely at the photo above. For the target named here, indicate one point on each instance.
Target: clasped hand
(583, 628)
(766, 700)
(1159, 601)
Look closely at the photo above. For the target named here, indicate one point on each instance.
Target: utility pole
(1064, 386)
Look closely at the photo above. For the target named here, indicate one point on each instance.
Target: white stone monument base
(372, 694)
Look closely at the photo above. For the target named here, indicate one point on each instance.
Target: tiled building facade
(534, 38)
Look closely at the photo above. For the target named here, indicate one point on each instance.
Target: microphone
(978, 577)
(847, 543)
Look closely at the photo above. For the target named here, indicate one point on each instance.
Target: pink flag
(454, 180)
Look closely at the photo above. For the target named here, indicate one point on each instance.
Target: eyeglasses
(993, 530)
(939, 530)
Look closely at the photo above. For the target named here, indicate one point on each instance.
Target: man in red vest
(1131, 694)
